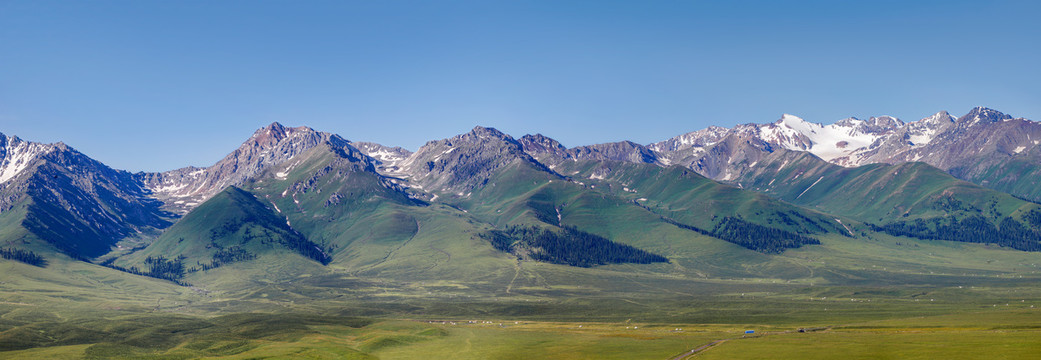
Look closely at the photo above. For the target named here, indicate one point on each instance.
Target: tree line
(973, 229)
(159, 267)
(758, 237)
(287, 237)
(567, 246)
(225, 256)
(24, 256)
(749, 235)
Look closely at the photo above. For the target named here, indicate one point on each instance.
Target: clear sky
(156, 85)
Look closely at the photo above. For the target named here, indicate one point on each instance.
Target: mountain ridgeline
(485, 200)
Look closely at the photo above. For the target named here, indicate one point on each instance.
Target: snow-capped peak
(826, 141)
(922, 132)
(985, 115)
(16, 155)
(795, 122)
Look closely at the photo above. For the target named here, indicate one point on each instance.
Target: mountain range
(479, 205)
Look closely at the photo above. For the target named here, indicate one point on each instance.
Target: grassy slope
(374, 230)
(878, 193)
(1019, 175)
(13, 234)
(693, 199)
(231, 219)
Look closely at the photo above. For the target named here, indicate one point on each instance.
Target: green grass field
(1009, 332)
(958, 301)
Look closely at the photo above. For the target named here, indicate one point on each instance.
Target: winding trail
(390, 253)
(701, 348)
(697, 350)
(510, 286)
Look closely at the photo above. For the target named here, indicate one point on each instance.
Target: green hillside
(683, 198)
(1020, 175)
(232, 226)
(911, 199)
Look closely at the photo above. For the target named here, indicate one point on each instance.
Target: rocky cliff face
(458, 164)
(75, 203)
(183, 189)
(388, 158)
(552, 153)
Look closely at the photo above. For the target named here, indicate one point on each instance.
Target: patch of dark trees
(24, 256)
(807, 225)
(751, 236)
(306, 248)
(1033, 217)
(758, 237)
(159, 267)
(285, 236)
(225, 256)
(567, 246)
(544, 210)
(973, 229)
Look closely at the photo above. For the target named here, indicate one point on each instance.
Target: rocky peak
(16, 155)
(699, 138)
(881, 124)
(983, 115)
(616, 151)
(465, 161)
(849, 122)
(77, 204)
(541, 144)
(185, 188)
(486, 134)
(939, 118)
(273, 134)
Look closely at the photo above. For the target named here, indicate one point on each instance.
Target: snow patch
(1019, 149)
(385, 156)
(281, 175)
(808, 188)
(169, 188)
(922, 138)
(19, 155)
(826, 141)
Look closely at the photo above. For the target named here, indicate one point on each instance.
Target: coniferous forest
(759, 238)
(568, 246)
(24, 256)
(974, 229)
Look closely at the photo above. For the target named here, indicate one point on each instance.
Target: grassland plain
(883, 296)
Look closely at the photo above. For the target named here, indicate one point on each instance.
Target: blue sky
(157, 85)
